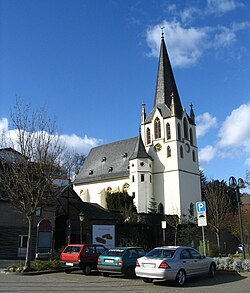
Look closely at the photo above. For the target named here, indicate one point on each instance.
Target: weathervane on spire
(162, 32)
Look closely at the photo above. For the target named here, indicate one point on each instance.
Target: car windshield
(113, 252)
(161, 253)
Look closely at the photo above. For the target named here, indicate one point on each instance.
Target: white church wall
(97, 190)
(190, 191)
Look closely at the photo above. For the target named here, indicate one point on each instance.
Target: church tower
(169, 136)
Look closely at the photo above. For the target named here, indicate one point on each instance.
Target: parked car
(239, 248)
(173, 263)
(119, 260)
(81, 256)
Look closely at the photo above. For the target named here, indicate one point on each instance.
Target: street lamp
(236, 185)
(163, 226)
(81, 219)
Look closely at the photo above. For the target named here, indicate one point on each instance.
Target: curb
(41, 272)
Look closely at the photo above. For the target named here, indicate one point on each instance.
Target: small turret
(192, 116)
(143, 113)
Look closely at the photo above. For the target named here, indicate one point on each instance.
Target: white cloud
(205, 122)
(185, 45)
(71, 142)
(247, 162)
(79, 144)
(235, 130)
(3, 124)
(207, 154)
(222, 6)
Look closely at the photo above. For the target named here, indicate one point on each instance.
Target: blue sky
(92, 63)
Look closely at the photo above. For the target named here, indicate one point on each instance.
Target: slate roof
(163, 110)
(11, 156)
(111, 160)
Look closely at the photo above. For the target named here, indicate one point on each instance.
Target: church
(159, 165)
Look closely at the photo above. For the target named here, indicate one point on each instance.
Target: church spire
(165, 84)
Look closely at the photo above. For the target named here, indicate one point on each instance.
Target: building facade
(160, 165)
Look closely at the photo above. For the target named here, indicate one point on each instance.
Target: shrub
(230, 263)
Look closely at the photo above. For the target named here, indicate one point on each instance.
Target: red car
(81, 256)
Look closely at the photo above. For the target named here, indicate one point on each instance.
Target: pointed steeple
(139, 151)
(165, 84)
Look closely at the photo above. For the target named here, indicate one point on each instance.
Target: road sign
(201, 206)
(202, 219)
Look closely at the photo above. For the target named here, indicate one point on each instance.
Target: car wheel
(147, 280)
(130, 272)
(87, 269)
(105, 274)
(180, 278)
(212, 269)
(67, 271)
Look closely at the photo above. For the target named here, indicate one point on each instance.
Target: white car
(173, 263)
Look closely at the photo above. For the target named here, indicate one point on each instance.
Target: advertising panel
(103, 234)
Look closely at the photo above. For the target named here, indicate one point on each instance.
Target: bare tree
(219, 205)
(27, 179)
(71, 163)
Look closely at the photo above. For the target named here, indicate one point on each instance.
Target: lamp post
(236, 185)
(81, 219)
(163, 226)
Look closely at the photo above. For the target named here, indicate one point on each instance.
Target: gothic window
(125, 187)
(160, 208)
(193, 154)
(179, 131)
(157, 128)
(168, 131)
(148, 135)
(169, 151)
(191, 136)
(185, 127)
(181, 151)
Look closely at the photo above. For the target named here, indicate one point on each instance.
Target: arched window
(148, 135)
(191, 136)
(160, 208)
(125, 187)
(193, 154)
(179, 131)
(168, 130)
(169, 151)
(181, 151)
(157, 128)
(185, 127)
(133, 178)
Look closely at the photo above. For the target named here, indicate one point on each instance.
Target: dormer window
(104, 159)
(110, 169)
(91, 172)
(125, 155)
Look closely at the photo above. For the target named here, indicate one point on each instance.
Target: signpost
(202, 220)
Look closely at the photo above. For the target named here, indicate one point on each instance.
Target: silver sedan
(173, 263)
